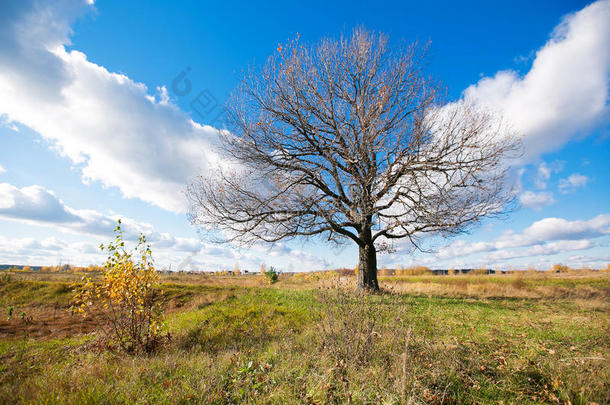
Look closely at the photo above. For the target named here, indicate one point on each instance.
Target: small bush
(5, 278)
(271, 275)
(126, 299)
(519, 284)
(560, 268)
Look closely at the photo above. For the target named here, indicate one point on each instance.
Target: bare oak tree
(349, 139)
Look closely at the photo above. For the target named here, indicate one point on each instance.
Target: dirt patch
(38, 320)
(48, 322)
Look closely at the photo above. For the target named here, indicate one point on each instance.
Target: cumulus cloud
(590, 261)
(536, 201)
(552, 229)
(48, 251)
(544, 172)
(111, 126)
(463, 248)
(544, 237)
(545, 249)
(572, 183)
(39, 206)
(33, 203)
(566, 90)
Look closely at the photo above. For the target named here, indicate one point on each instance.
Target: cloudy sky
(107, 110)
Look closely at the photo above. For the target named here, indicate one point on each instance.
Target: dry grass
(593, 285)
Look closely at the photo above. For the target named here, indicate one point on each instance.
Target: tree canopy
(350, 140)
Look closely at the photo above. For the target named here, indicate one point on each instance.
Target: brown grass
(534, 285)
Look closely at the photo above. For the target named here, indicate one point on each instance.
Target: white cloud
(572, 183)
(545, 249)
(463, 248)
(36, 205)
(2, 169)
(33, 203)
(552, 229)
(566, 90)
(544, 173)
(39, 206)
(536, 201)
(49, 251)
(590, 261)
(107, 123)
(547, 236)
(304, 260)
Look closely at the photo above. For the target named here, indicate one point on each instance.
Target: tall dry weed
(355, 326)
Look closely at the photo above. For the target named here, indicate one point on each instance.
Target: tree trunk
(367, 264)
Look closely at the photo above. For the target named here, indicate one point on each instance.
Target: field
(512, 339)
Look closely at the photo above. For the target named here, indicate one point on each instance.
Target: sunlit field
(527, 337)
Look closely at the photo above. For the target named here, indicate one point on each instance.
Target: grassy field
(530, 338)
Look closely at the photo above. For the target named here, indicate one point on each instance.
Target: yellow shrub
(126, 299)
(560, 268)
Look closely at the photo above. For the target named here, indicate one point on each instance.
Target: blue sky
(93, 127)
